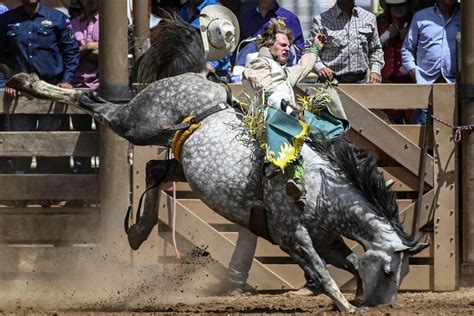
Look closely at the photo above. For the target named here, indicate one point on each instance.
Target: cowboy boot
(296, 190)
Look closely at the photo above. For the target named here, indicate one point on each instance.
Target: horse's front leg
(341, 256)
(300, 247)
(157, 172)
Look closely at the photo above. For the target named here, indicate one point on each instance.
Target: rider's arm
(299, 71)
(258, 74)
(307, 62)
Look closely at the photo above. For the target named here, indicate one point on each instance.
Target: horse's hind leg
(300, 247)
(341, 256)
(157, 172)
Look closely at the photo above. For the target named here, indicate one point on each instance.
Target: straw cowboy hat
(219, 31)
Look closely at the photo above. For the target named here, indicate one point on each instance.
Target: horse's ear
(417, 248)
(412, 250)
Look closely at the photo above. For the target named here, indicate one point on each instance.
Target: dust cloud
(88, 277)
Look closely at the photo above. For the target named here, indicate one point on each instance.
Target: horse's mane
(361, 171)
(175, 48)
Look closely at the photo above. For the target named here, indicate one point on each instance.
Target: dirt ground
(455, 303)
(143, 298)
(95, 283)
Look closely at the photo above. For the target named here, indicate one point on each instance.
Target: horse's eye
(387, 270)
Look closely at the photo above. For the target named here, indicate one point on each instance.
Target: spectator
(74, 9)
(86, 32)
(429, 51)
(392, 34)
(37, 38)
(254, 21)
(3, 8)
(190, 13)
(353, 53)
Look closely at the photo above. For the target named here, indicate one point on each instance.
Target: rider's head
(278, 39)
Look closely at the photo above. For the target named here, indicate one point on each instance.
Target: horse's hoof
(135, 239)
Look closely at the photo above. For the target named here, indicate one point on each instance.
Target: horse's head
(382, 272)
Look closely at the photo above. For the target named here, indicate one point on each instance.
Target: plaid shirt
(352, 44)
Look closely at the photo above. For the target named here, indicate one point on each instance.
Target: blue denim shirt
(43, 44)
(221, 64)
(430, 46)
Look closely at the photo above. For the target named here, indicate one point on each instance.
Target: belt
(352, 77)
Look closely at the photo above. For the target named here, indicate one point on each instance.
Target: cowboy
(269, 74)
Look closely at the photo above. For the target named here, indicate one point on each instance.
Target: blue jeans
(242, 258)
(419, 116)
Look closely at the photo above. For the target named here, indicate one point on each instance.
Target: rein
(196, 119)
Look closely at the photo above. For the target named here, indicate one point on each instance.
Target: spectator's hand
(374, 78)
(11, 92)
(412, 74)
(210, 68)
(326, 73)
(319, 39)
(65, 85)
(393, 30)
(93, 46)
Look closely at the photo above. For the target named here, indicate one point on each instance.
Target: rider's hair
(268, 37)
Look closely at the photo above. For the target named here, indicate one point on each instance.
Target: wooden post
(466, 96)
(114, 168)
(445, 240)
(142, 27)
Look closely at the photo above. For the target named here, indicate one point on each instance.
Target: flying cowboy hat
(219, 31)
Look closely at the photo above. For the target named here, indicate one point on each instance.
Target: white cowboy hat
(219, 31)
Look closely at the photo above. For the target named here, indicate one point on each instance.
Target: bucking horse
(346, 194)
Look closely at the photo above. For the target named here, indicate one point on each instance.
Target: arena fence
(70, 225)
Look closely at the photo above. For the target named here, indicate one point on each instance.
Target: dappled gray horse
(346, 195)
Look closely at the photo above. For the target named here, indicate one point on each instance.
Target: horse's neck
(371, 231)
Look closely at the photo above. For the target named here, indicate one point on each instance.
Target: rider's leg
(295, 184)
(157, 172)
(241, 261)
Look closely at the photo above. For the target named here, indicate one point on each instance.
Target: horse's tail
(176, 48)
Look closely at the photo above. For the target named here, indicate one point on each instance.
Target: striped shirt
(352, 44)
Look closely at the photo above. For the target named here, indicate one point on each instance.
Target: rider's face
(281, 48)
